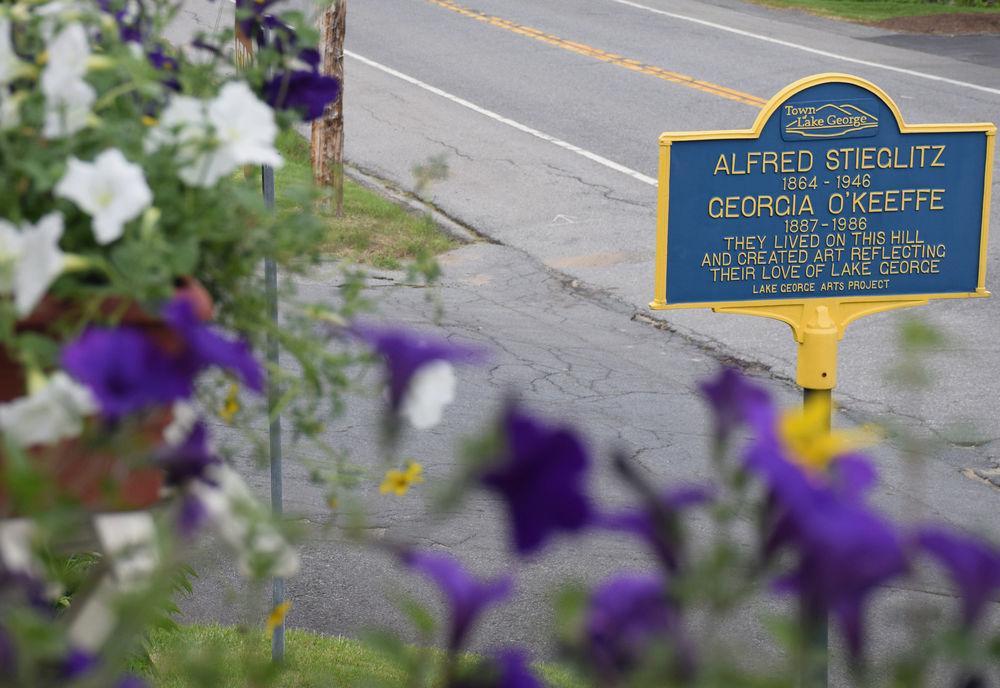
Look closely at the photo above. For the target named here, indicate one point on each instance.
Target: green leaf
(421, 618)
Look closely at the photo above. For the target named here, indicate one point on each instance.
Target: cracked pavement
(560, 294)
(596, 224)
(573, 355)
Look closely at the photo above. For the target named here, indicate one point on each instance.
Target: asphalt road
(552, 145)
(576, 357)
(540, 65)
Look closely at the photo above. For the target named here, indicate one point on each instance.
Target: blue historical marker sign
(830, 195)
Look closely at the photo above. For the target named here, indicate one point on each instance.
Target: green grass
(373, 231)
(225, 657)
(876, 10)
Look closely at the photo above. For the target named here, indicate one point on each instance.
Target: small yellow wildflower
(804, 433)
(149, 120)
(42, 57)
(231, 405)
(277, 617)
(398, 482)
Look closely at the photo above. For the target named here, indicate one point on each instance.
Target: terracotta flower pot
(52, 310)
(96, 477)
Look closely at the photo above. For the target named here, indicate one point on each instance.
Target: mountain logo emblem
(827, 121)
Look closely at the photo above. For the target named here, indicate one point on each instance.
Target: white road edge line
(600, 160)
(805, 48)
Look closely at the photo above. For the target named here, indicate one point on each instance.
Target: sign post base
(815, 673)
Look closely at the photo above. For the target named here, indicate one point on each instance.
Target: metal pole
(274, 428)
(244, 57)
(816, 670)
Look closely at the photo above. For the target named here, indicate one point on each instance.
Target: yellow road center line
(605, 56)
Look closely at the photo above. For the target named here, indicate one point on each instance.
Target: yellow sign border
(803, 313)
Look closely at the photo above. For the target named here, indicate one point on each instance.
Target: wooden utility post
(327, 145)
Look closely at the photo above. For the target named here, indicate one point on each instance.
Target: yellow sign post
(829, 208)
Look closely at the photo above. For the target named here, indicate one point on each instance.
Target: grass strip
(877, 10)
(230, 657)
(373, 231)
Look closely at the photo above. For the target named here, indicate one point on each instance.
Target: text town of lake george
(852, 254)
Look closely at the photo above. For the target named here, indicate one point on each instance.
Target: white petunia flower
(240, 521)
(11, 66)
(283, 560)
(215, 138)
(183, 121)
(184, 416)
(53, 413)
(30, 259)
(244, 125)
(67, 111)
(431, 388)
(68, 98)
(17, 551)
(56, 12)
(130, 544)
(184, 124)
(111, 190)
(60, 9)
(67, 59)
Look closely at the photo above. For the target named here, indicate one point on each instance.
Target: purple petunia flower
(405, 352)
(127, 371)
(131, 681)
(78, 663)
(188, 460)
(541, 476)
(305, 91)
(420, 378)
(131, 16)
(191, 515)
(506, 669)
(26, 589)
(845, 550)
(658, 525)
(845, 553)
(851, 476)
(626, 615)
(167, 65)
(973, 565)
(310, 56)
(514, 670)
(735, 401)
(204, 347)
(123, 368)
(251, 15)
(467, 596)
(8, 655)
